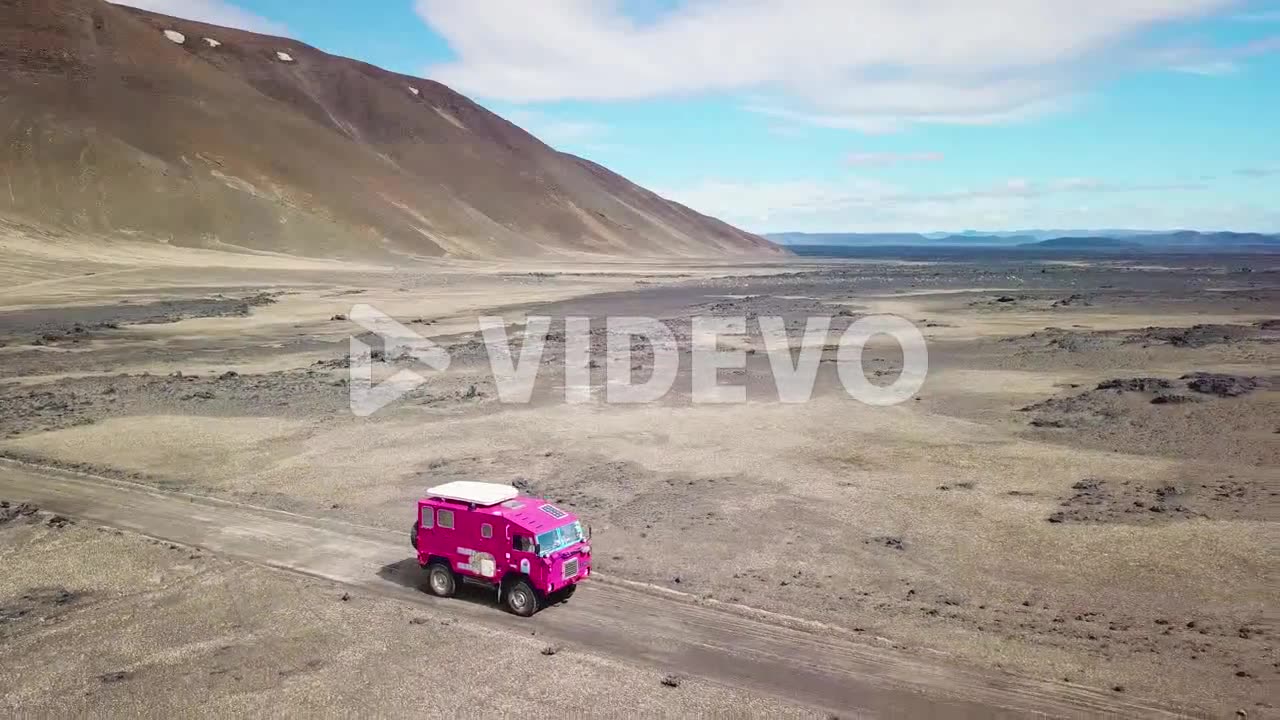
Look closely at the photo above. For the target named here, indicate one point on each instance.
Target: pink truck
(530, 551)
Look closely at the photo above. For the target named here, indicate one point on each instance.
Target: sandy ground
(97, 620)
(1015, 515)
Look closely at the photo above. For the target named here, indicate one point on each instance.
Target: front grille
(571, 568)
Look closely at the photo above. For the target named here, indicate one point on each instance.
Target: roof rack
(478, 493)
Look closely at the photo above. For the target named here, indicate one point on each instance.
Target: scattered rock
(1140, 384)
(888, 541)
(341, 363)
(338, 317)
(1222, 385)
(346, 597)
(1196, 336)
(40, 603)
(550, 650)
(1073, 299)
(672, 681)
(1173, 399)
(115, 677)
(59, 522)
(1127, 501)
(8, 513)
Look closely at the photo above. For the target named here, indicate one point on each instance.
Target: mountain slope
(119, 122)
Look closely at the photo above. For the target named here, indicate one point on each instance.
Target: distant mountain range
(1095, 240)
(1084, 243)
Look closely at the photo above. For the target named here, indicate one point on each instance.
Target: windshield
(560, 538)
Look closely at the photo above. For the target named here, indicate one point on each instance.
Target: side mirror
(537, 549)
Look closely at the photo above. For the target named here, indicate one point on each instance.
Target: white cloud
(1212, 61)
(889, 159)
(757, 203)
(558, 132)
(858, 204)
(215, 12)
(869, 65)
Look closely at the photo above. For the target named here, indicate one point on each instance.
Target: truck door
(522, 552)
(422, 528)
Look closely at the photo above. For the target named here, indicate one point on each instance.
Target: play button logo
(399, 343)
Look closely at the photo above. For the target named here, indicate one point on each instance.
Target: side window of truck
(486, 531)
(444, 518)
(522, 543)
(428, 518)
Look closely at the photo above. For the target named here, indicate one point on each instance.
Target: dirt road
(808, 664)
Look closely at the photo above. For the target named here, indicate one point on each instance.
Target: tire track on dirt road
(816, 668)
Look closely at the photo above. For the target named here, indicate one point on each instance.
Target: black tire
(522, 599)
(440, 579)
(413, 537)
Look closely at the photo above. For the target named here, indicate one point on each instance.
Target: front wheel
(440, 581)
(522, 599)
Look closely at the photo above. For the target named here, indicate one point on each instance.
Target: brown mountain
(119, 122)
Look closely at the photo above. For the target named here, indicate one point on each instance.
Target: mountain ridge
(131, 124)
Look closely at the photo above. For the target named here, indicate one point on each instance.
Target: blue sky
(861, 115)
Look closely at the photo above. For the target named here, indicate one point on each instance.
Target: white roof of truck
(480, 493)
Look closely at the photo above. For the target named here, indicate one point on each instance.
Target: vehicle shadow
(407, 573)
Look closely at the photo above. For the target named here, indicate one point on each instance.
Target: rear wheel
(522, 599)
(440, 579)
(413, 537)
